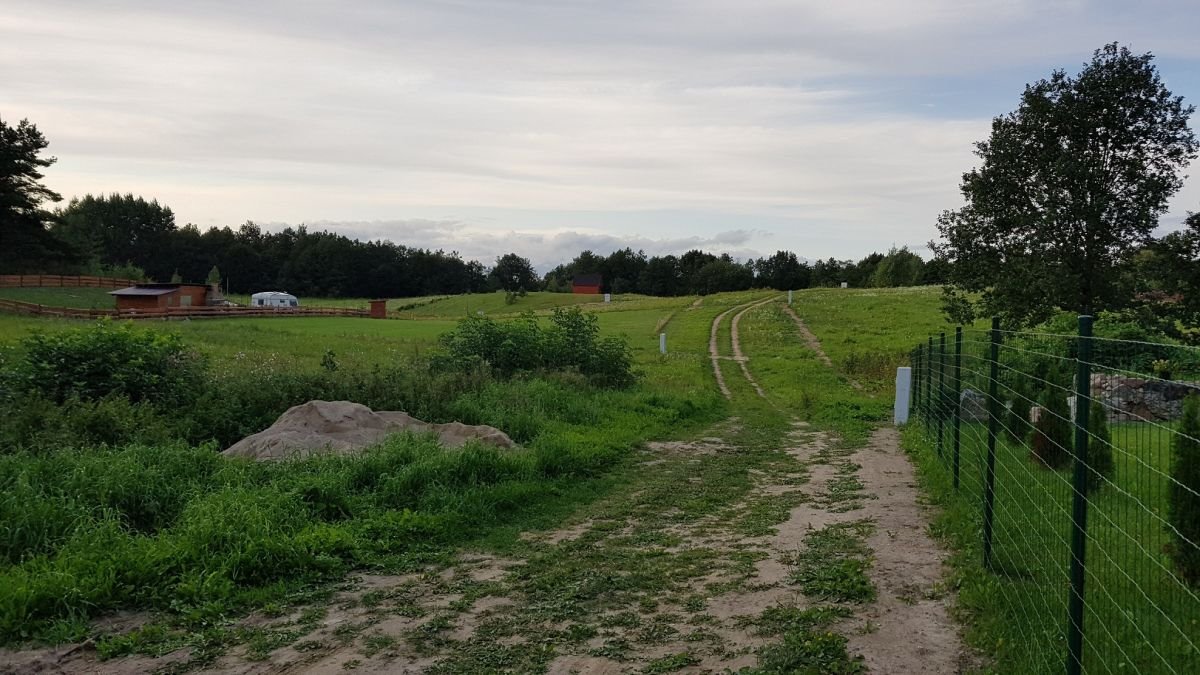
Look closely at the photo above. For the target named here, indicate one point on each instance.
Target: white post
(789, 298)
(662, 343)
(903, 385)
(845, 284)
(608, 297)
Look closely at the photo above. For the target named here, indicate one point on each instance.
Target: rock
(973, 406)
(1131, 399)
(345, 428)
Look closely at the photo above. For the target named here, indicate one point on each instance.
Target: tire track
(714, 349)
(714, 353)
(737, 346)
(812, 342)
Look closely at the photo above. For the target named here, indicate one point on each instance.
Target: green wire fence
(1078, 460)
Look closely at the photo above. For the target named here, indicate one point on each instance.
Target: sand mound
(345, 427)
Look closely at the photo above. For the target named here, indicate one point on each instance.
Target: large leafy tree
(514, 274)
(1071, 183)
(25, 243)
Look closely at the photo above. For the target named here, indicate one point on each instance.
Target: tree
(25, 243)
(1070, 183)
(1051, 443)
(119, 229)
(782, 272)
(1100, 452)
(1183, 504)
(900, 267)
(514, 275)
(214, 277)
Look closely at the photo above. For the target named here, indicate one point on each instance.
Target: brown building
(157, 297)
(587, 284)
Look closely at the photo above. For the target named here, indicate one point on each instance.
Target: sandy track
(714, 352)
(737, 346)
(908, 628)
(714, 348)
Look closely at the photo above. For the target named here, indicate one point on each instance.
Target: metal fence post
(989, 489)
(941, 407)
(1079, 501)
(929, 383)
(917, 382)
(912, 382)
(956, 404)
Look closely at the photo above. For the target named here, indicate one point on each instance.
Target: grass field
(78, 298)
(578, 464)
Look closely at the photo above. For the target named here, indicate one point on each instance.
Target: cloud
(544, 249)
(808, 123)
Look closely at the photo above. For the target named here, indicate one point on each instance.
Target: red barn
(586, 284)
(156, 297)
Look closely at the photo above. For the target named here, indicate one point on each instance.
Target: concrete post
(789, 298)
(608, 297)
(903, 390)
(662, 343)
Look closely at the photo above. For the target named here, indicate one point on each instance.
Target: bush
(112, 359)
(1051, 443)
(1017, 423)
(1100, 449)
(1184, 498)
(571, 342)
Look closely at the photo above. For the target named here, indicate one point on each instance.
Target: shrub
(110, 358)
(1017, 423)
(1100, 449)
(1051, 443)
(1184, 498)
(571, 342)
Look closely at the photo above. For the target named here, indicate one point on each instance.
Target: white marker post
(903, 387)
(789, 298)
(662, 343)
(845, 284)
(608, 297)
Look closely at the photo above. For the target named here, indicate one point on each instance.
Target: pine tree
(214, 277)
(1184, 498)
(176, 278)
(1100, 452)
(1051, 444)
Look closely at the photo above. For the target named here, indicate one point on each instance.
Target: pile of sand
(344, 427)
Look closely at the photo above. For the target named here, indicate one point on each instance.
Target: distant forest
(128, 235)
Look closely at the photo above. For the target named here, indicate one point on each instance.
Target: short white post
(789, 298)
(662, 343)
(903, 387)
(845, 284)
(608, 297)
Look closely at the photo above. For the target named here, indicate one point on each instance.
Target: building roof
(587, 280)
(272, 294)
(145, 290)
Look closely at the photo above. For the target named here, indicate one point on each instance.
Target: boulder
(973, 405)
(345, 428)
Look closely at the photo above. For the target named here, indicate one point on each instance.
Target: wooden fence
(62, 281)
(177, 312)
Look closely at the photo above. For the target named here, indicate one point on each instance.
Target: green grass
(1137, 610)
(78, 298)
(867, 333)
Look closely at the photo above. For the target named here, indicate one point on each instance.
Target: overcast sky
(828, 127)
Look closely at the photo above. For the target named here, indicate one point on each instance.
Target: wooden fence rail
(177, 312)
(62, 281)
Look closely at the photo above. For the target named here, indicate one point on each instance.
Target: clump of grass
(834, 562)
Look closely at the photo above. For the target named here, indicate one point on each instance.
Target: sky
(829, 128)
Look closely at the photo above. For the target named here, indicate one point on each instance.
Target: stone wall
(1134, 399)
(1126, 399)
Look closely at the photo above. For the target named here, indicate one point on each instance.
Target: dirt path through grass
(736, 343)
(763, 546)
